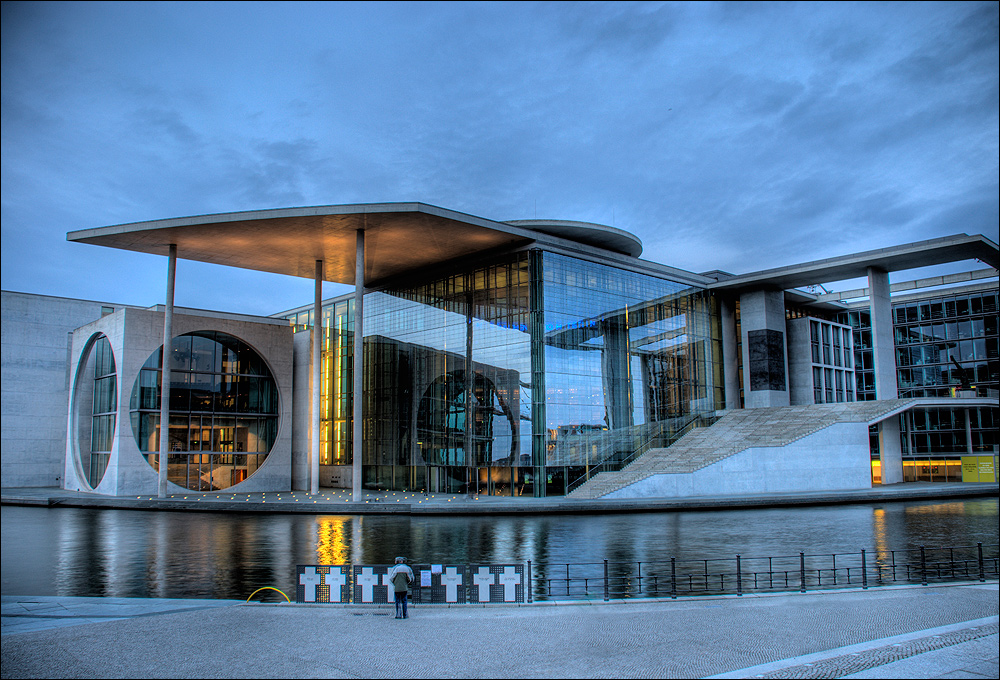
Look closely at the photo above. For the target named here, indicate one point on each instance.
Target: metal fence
(742, 574)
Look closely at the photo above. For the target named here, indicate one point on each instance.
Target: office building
(521, 358)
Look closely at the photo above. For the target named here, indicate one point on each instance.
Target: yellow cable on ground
(268, 588)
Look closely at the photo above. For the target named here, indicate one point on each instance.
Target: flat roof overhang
(956, 248)
(399, 237)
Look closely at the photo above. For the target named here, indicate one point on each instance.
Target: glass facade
(833, 362)
(941, 343)
(223, 410)
(513, 376)
(931, 337)
(105, 411)
(630, 359)
(448, 384)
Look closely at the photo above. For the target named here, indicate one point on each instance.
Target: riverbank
(899, 632)
(338, 501)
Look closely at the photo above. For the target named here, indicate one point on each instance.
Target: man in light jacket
(401, 576)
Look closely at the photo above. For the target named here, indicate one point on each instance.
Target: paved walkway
(337, 501)
(901, 632)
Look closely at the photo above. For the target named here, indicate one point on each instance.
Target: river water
(130, 553)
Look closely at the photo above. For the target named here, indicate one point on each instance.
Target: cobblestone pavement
(973, 652)
(912, 631)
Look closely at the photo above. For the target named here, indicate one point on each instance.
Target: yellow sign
(978, 469)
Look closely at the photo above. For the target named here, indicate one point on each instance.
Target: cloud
(725, 135)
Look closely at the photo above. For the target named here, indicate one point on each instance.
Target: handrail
(610, 464)
(738, 574)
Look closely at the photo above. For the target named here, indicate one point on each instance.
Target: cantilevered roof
(955, 248)
(399, 237)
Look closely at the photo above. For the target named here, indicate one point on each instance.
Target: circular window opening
(223, 411)
(99, 401)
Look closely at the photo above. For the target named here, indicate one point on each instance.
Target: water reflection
(121, 553)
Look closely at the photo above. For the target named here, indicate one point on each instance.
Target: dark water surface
(130, 553)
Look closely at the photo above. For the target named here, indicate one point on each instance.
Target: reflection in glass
(223, 400)
(105, 409)
(529, 365)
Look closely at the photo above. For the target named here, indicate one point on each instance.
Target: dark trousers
(401, 604)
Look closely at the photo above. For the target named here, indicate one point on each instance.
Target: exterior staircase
(737, 431)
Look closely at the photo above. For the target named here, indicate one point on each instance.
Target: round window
(223, 410)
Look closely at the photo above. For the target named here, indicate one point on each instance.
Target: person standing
(401, 576)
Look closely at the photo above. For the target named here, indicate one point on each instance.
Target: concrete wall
(800, 379)
(135, 334)
(302, 415)
(835, 458)
(765, 359)
(35, 385)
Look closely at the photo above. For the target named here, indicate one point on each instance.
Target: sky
(730, 136)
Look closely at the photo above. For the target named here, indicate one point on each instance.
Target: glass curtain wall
(511, 377)
(630, 359)
(938, 342)
(448, 382)
(336, 395)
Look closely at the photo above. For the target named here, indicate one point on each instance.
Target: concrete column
(765, 361)
(890, 451)
(168, 335)
(730, 359)
(616, 373)
(884, 363)
(883, 346)
(968, 433)
(317, 376)
(359, 364)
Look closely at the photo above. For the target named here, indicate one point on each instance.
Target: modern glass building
(516, 372)
(519, 358)
(945, 341)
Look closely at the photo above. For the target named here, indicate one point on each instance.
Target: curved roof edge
(589, 233)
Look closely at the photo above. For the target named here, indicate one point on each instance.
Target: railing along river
(740, 574)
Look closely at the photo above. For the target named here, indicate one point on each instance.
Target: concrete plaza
(901, 632)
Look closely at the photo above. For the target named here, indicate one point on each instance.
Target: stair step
(736, 431)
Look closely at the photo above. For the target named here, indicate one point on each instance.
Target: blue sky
(733, 136)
